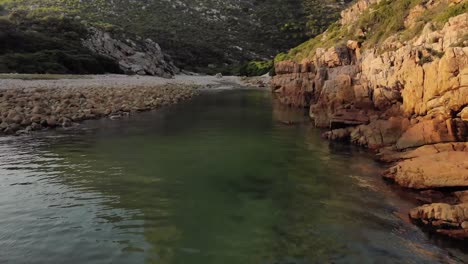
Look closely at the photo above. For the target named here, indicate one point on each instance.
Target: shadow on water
(226, 178)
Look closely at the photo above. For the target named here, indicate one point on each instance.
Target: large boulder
(440, 170)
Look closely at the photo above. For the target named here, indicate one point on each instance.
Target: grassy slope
(379, 22)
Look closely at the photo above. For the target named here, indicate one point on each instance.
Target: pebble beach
(35, 104)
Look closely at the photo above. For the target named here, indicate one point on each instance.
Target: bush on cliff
(56, 62)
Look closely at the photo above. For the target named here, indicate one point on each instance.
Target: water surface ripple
(224, 178)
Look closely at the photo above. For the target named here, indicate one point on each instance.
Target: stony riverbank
(30, 109)
(406, 100)
(30, 105)
(36, 102)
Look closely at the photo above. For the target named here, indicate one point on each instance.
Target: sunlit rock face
(354, 87)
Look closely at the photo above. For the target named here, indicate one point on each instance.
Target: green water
(225, 178)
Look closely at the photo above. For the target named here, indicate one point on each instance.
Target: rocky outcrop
(297, 84)
(380, 92)
(327, 84)
(407, 99)
(142, 57)
(424, 83)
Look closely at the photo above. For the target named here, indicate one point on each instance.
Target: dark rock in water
(115, 117)
(12, 128)
(66, 122)
(341, 134)
(143, 57)
(51, 122)
(36, 126)
(3, 126)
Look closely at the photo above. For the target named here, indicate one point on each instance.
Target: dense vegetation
(381, 21)
(203, 35)
(47, 45)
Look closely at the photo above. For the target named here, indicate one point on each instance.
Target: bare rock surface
(134, 56)
(389, 155)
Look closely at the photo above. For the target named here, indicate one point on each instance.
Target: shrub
(56, 62)
(282, 57)
(256, 68)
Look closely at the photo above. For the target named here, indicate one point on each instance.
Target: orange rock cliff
(407, 99)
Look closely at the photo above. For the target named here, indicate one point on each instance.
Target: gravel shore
(114, 81)
(28, 105)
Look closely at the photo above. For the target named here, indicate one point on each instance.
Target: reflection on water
(221, 179)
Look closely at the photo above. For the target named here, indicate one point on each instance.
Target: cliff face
(406, 98)
(134, 56)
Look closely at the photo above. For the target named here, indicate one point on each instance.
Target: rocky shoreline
(408, 101)
(27, 106)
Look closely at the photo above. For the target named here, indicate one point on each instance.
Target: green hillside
(50, 44)
(201, 34)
